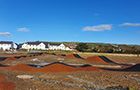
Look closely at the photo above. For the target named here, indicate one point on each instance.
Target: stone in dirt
(24, 76)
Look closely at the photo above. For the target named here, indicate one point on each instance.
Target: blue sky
(106, 21)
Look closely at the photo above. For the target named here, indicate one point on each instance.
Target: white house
(8, 45)
(58, 47)
(34, 46)
(44, 46)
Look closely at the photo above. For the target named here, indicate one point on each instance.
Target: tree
(109, 51)
(82, 47)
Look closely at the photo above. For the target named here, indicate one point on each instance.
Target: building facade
(58, 47)
(34, 46)
(44, 46)
(8, 45)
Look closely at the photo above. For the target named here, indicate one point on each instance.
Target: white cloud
(131, 24)
(5, 34)
(23, 29)
(102, 27)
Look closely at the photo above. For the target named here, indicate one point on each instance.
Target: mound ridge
(62, 67)
(10, 58)
(2, 58)
(133, 68)
(1, 65)
(74, 56)
(58, 67)
(53, 67)
(99, 60)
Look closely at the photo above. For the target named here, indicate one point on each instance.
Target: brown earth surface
(6, 85)
(59, 76)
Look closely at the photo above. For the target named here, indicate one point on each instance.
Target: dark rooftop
(36, 43)
(6, 42)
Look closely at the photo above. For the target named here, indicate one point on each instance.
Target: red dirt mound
(10, 58)
(74, 56)
(100, 60)
(64, 68)
(55, 67)
(23, 67)
(96, 60)
(50, 68)
(58, 68)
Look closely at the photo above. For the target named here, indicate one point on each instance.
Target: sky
(105, 21)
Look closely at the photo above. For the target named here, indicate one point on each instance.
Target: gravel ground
(75, 80)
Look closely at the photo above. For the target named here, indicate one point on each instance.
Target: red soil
(57, 67)
(89, 68)
(96, 60)
(2, 78)
(4, 85)
(70, 56)
(10, 58)
(7, 86)
(23, 67)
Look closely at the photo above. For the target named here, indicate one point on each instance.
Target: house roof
(55, 44)
(36, 43)
(33, 43)
(6, 42)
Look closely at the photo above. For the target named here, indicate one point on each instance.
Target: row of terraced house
(37, 45)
